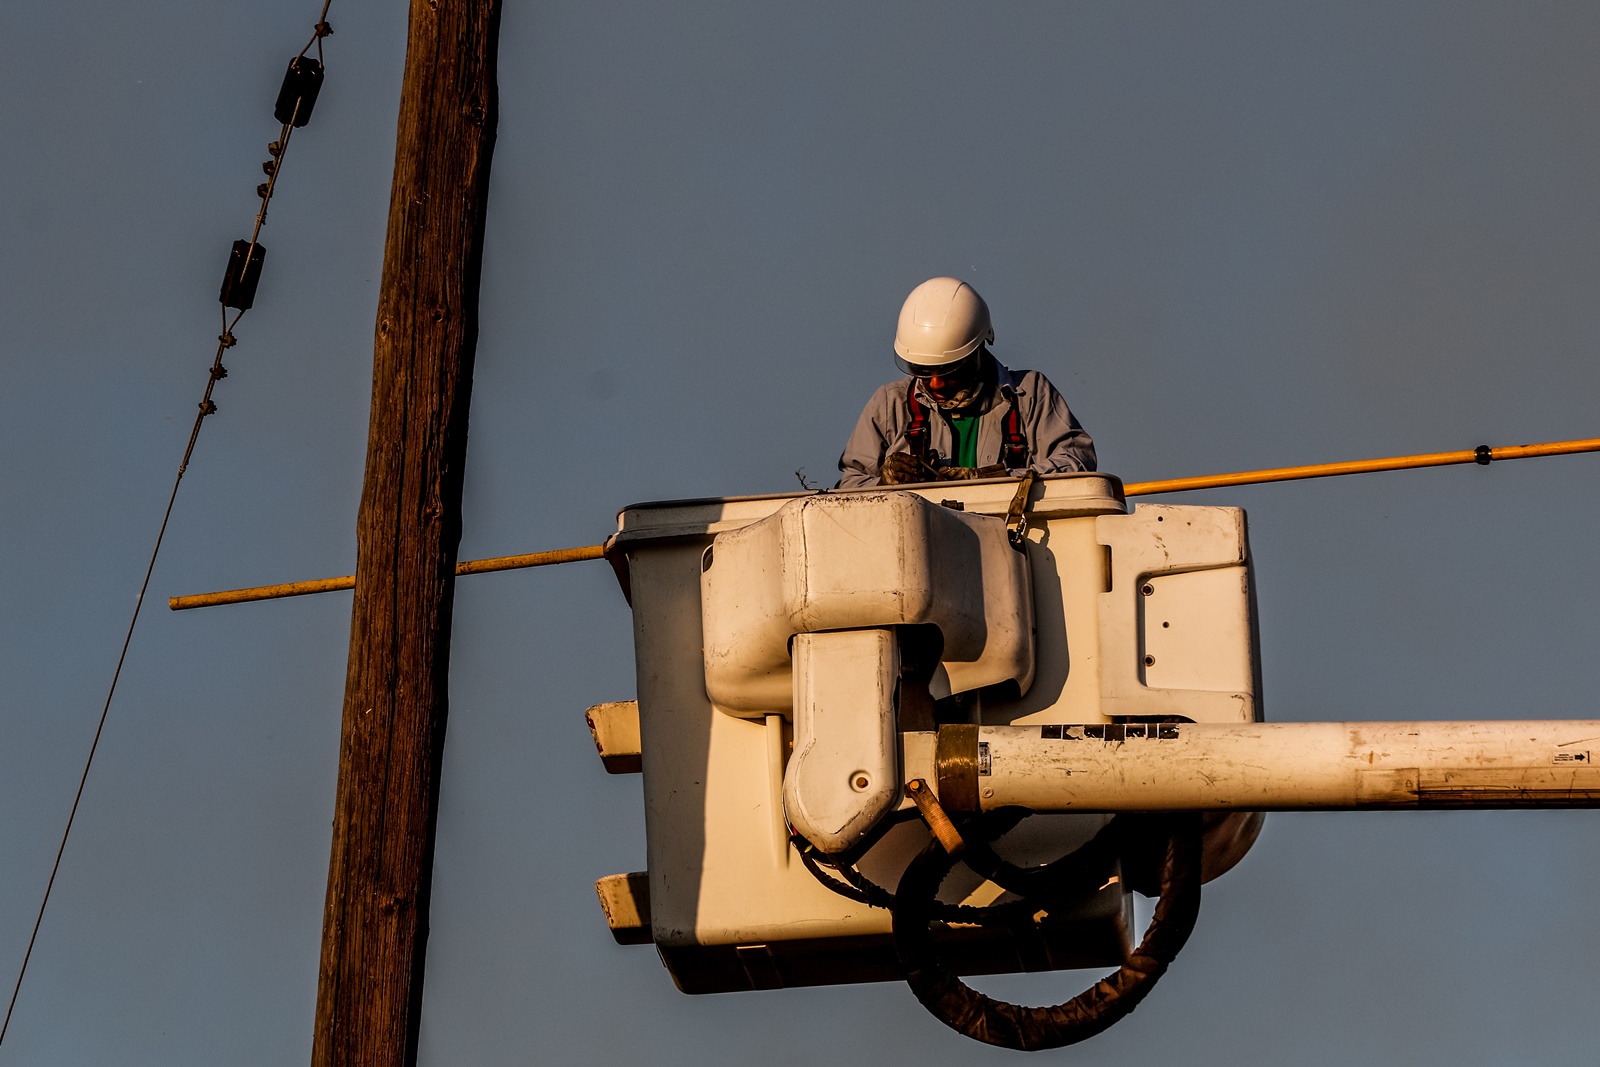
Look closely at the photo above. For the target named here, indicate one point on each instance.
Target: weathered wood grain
(375, 925)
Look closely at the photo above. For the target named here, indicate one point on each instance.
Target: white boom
(1272, 766)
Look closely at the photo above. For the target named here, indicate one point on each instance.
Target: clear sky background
(1235, 235)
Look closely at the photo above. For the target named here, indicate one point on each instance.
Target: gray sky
(1235, 235)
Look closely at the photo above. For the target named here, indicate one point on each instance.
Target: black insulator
(244, 273)
(1483, 455)
(301, 83)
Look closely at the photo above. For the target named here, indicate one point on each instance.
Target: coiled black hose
(1014, 1026)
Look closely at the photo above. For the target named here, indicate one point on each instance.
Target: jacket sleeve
(1059, 443)
(862, 459)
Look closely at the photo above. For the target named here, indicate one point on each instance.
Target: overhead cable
(293, 110)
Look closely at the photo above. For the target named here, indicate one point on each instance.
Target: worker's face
(946, 385)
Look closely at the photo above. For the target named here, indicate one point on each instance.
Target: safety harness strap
(1014, 452)
(917, 432)
(1013, 449)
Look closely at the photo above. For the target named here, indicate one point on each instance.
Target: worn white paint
(851, 561)
(844, 774)
(1296, 766)
(716, 685)
(1184, 557)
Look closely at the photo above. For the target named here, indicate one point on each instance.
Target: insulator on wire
(301, 83)
(244, 273)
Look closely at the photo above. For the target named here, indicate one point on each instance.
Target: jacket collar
(1005, 379)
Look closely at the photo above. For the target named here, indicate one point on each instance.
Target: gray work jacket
(1055, 440)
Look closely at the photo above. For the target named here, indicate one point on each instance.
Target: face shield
(955, 371)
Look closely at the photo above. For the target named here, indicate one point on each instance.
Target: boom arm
(1306, 766)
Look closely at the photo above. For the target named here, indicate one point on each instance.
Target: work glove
(902, 468)
(962, 474)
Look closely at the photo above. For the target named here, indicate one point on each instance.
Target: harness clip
(1017, 513)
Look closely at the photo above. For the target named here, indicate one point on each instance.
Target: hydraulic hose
(844, 879)
(981, 1017)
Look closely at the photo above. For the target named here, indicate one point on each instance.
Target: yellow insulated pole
(1482, 454)
(348, 581)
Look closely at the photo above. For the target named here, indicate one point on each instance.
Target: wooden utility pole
(375, 925)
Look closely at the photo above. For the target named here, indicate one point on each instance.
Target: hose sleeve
(1015, 1026)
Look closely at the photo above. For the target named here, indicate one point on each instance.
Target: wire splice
(1483, 455)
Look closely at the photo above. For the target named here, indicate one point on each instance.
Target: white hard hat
(942, 322)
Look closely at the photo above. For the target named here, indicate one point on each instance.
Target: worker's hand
(961, 474)
(901, 468)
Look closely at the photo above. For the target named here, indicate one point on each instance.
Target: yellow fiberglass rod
(1482, 454)
(348, 581)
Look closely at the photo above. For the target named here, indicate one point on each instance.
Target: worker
(961, 413)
